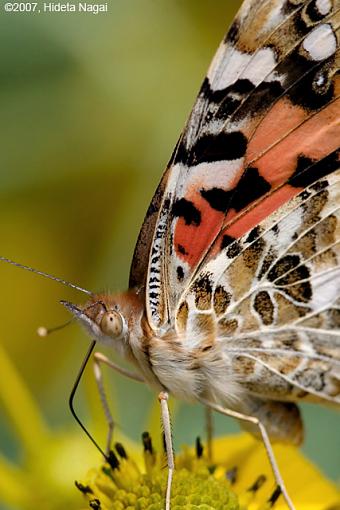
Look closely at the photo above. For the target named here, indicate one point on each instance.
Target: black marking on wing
(210, 148)
(226, 240)
(233, 33)
(217, 198)
(185, 209)
(226, 100)
(305, 73)
(283, 265)
(268, 261)
(308, 171)
(202, 289)
(253, 234)
(319, 185)
(264, 307)
(292, 277)
(180, 273)
(181, 249)
(222, 300)
(250, 187)
(234, 249)
(264, 95)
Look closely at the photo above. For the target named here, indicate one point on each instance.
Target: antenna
(42, 331)
(46, 275)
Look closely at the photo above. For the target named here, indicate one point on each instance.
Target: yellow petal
(20, 406)
(308, 488)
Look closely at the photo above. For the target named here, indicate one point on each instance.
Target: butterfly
(234, 289)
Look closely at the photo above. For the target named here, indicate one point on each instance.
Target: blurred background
(91, 108)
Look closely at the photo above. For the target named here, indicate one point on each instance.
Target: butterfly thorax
(164, 359)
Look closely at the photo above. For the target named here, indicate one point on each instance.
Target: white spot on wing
(217, 174)
(326, 287)
(324, 6)
(245, 9)
(288, 226)
(263, 62)
(253, 67)
(320, 43)
(321, 80)
(275, 17)
(226, 66)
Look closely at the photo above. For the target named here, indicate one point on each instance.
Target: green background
(91, 107)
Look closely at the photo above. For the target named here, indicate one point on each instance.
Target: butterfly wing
(271, 300)
(140, 260)
(264, 126)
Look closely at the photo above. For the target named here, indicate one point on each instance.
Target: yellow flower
(239, 479)
(41, 477)
(308, 488)
(50, 461)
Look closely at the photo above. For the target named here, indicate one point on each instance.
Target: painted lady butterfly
(234, 296)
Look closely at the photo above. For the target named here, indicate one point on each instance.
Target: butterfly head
(102, 318)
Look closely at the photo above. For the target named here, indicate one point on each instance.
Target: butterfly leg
(99, 358)
(265, 438)
(163, 399)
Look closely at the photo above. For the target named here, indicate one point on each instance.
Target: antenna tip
(42, 332)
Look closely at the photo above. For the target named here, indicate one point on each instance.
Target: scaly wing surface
(265, 126)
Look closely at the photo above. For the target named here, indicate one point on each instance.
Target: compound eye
(112, 324)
